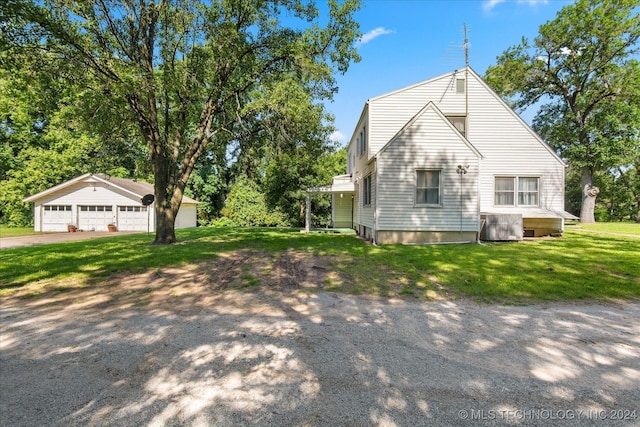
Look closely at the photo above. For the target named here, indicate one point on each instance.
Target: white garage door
(132, 218)
(56, 217)
(95, 218)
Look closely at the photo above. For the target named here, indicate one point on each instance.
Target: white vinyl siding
(510, 148)
(429, 144)
(364, 214)
(187, 216)
(91, 202)
(507, 145)
(95, 199)
(389, 113)
(342, 206)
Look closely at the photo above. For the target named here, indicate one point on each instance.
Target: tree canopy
(583, 70)
(194, 78)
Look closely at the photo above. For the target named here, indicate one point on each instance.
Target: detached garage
(93, 201)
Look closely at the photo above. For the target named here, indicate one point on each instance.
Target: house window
(528, 191)
(511, 189)
(428, 187)
(362, 141)
(366, 191)
(504, 193)
(460, 123)
(460, 85)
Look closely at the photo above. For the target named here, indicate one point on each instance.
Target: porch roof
(531, 213)
(340, 184)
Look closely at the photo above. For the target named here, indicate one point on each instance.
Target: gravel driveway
(47, 238)
(317, 359)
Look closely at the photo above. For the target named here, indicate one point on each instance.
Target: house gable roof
(424, 82)
(430, 107)
(516, 116)
(488, 89)
(138, 189)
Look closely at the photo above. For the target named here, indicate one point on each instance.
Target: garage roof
(136, 188)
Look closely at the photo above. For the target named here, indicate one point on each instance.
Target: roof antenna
(466, 46)
(466, 80)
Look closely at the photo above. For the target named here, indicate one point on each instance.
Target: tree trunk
(165, 215)
(589, 194)
(638, 215)
(165, 226)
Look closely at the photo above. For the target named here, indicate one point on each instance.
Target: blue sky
(408, 41)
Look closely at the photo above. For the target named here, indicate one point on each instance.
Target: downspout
(352, 207)
(478, 218)
(375, 211)
(307, 219)
(563, 191)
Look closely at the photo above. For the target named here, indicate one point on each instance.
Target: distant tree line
(583, 71)
(45, 140)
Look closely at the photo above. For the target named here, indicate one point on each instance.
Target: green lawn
(15, 231)
(612, 227)
(580, 265)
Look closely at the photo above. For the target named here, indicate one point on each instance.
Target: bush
(223, 221)
(246, 206)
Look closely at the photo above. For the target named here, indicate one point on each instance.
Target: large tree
(581, 69)
(188, 72)
(45, 141)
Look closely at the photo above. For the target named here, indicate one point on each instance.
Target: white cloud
(375, 33)
(337, 136)
(488, 5)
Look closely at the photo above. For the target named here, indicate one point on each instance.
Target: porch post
(307, 221)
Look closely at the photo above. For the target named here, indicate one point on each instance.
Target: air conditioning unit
(501, 227)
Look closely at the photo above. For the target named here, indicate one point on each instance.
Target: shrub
(246, 206)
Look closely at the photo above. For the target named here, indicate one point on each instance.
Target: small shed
(93, 201)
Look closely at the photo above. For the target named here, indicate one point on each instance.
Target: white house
(92, 201)
(446, 160)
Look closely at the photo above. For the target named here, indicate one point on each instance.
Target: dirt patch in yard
(190, 286)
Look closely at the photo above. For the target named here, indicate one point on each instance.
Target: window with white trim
(528, 191)
(517, 191)
(428, 187)
(362, 141)
(366, 191)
